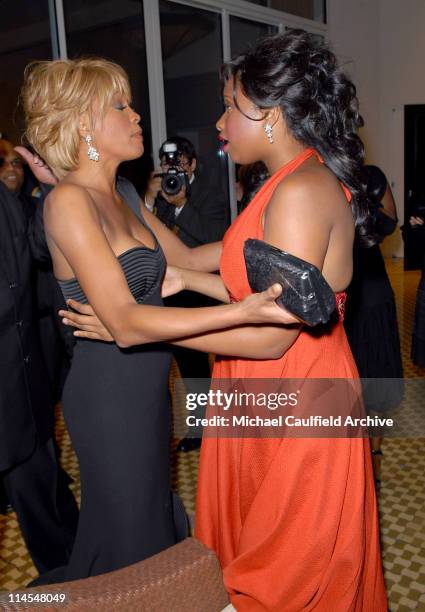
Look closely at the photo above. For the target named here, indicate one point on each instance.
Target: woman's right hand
(262, 308)
(84, 319)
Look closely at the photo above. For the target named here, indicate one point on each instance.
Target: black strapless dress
(116, 408)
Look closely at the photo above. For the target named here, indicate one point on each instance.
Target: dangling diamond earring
(92, 152)
(269, 132)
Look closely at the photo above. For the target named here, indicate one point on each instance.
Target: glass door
(244, 33)
(24, 37)
(116, 31)
(191, 41)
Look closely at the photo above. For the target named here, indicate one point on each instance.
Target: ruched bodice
(144, 269)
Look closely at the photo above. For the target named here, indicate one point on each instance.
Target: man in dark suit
(198, 217)
(56, 340)
(35, 484)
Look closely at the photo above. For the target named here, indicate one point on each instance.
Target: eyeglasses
(184, 165)
(15, 163)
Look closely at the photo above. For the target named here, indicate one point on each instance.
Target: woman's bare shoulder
(312, 190)
(71, 201)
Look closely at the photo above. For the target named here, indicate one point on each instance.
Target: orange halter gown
(293, 521)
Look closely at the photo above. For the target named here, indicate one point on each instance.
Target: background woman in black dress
(371, 317)
(418, 338)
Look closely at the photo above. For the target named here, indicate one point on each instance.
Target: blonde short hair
(56, 93)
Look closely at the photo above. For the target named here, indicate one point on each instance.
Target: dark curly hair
(376, 183)
(298, 72)
(251, 178)
(184, 146)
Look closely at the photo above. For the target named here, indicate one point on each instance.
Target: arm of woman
(74, 228)
(297, 222)
(179, 279)
(388, 204)
(205, 258)
(246, 342)
(385, 215)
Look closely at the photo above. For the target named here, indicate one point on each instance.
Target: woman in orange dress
(293, 521)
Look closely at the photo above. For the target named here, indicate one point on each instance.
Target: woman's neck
(280, 155)
(99, 176)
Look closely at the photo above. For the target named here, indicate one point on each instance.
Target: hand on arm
(255, 309)
(294, 222)
(286, 227)
(74, 228)
(38, 167)
(179, 279)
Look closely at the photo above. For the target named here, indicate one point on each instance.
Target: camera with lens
(175, 178)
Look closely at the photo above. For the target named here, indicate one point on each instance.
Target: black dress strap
(128, 192)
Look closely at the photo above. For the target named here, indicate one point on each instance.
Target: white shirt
(178, 209)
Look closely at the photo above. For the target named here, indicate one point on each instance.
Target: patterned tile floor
(401, 501)
(402, 496)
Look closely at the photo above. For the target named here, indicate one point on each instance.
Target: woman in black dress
(371, 317)
(418, 337)
(79, 119)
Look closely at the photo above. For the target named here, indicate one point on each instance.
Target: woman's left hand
(262, 308)
(86, 322)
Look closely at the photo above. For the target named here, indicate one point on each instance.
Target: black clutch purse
(305, 294)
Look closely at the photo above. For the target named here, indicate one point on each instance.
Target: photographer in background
(191, 206)
(198, 214)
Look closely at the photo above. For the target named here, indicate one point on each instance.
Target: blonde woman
(79, 119)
